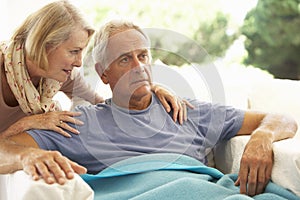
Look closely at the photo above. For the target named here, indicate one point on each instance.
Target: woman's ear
(101, 73)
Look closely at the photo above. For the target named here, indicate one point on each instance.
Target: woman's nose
(78, 60)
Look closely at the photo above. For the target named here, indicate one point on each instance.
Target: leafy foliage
(210, 41)
(273, 39)
(199, 21)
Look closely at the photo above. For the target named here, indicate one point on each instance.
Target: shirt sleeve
(72, 147)
(50, 140)
(216, 122)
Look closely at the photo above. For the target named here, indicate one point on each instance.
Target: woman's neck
(7, 95)
(33, 72)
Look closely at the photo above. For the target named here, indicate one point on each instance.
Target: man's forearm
(276, 127)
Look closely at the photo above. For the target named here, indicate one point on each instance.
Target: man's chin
(141, 89)
(140, 85)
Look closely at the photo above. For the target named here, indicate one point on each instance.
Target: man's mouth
(139, 81)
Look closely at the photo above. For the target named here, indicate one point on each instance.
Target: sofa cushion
(286, 168)
(277, 96)
(20, 185)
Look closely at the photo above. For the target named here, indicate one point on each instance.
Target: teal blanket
(171, 176)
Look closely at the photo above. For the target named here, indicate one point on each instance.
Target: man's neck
(135, 103)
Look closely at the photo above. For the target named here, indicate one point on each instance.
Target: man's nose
(138, 65)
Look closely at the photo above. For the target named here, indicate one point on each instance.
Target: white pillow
(286, 168)
(277, 96)
(19, 186)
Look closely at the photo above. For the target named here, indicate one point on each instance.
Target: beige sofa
(245, 88)
(20, 186)
(262, 93)
(278, 96)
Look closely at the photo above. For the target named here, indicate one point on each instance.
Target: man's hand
(256, 165)
(50, 165)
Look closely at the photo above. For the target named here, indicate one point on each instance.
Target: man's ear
(101, 72)
(104, 78)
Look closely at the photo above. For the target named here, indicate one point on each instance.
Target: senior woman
(39, 61)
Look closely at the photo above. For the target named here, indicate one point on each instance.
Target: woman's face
(66, 56)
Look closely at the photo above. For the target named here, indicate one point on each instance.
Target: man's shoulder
(92, 108)
(198, 103)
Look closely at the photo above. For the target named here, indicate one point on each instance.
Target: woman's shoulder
(1, 59)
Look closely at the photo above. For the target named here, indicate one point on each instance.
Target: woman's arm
(55, 121)
(21, 152)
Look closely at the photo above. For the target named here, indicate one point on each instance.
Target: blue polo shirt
(111, 133)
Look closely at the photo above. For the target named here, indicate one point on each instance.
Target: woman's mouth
(68, 72)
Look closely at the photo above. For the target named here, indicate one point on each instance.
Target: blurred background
(252, 34)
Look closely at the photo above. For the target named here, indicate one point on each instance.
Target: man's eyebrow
(144, 50)
(124, 54)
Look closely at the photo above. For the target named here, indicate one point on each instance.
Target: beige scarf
(31, 100)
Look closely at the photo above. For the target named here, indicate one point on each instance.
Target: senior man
(133, 122)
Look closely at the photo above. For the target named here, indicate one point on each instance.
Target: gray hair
(108, 30)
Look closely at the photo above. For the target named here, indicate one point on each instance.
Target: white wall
(13, 12)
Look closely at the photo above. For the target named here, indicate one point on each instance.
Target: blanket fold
(171, 176)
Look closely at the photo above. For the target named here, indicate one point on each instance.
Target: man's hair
(108, 30)
(49, 27)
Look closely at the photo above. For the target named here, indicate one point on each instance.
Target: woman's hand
(56, 121)
(179, 106)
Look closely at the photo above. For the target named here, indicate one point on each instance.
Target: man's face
(129, 72)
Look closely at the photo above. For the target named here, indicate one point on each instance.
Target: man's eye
(125, 59)
(144, 56)
(74, 51)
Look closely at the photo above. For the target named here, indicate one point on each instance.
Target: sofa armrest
(286, 168)
(227, 155)
(19, 186)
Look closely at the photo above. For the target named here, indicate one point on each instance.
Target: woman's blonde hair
(49, 27)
